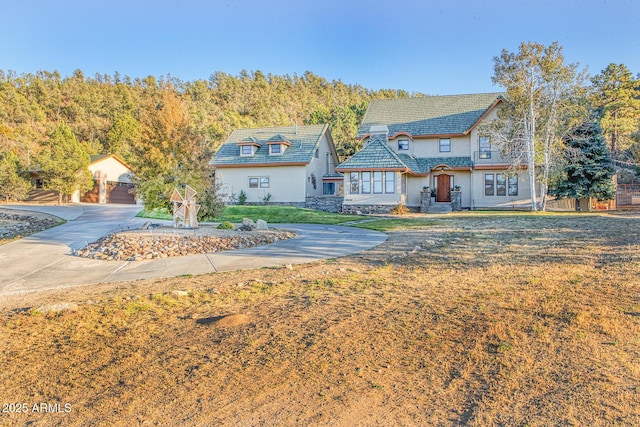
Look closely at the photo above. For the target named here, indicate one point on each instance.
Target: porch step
(439, 208)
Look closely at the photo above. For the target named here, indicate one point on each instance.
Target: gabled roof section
(375, 155)
(448, 162)
(378, 156)
(249, 141)
(278, 139)
(100, 157)
(303, 142)
(429, 115)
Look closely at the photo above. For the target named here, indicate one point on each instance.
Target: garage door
(92, 196)
(120, 192)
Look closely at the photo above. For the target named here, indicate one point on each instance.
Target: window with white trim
(246, 150)
(275, 149)
(445, 145)
(366, 183)
(484, 147)
(488, 184)
(354, 181)
(328, 188)
(259, 182)
(500, 184)
(377, 182)
(513, 185)
(389, 182)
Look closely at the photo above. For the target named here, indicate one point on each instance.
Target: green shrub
(226, 225)
(242, 198)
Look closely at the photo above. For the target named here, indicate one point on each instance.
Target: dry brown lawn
(476, 320)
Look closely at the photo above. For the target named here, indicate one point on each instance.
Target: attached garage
(92, 196)
(112, 181)
(120, 192)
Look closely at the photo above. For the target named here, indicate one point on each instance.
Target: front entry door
(443, 193)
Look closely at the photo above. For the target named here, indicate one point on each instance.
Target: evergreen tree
(616, 98)
(13, 182)
(590, 169)
(64, 163)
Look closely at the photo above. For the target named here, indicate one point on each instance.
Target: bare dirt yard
(470, 319)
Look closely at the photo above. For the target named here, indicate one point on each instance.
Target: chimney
(379, 133)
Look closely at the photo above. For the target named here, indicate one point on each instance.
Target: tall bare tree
(543, 101)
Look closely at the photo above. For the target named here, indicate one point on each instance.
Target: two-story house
(280, 165)
(431, 144)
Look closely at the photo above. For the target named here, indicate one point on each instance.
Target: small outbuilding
(112, 181)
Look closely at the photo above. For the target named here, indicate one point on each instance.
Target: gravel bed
(164, 242)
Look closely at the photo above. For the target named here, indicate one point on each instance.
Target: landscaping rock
(138, 245)
(22, 225)
(247, 225)
(261, 224)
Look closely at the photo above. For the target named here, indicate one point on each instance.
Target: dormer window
(277, 145)
(275, 149)
(403, 145)
(248, 147)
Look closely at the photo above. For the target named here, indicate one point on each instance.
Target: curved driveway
(43, 260)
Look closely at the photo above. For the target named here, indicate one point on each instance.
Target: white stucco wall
(110, 169)
(480, 201)
(414, 187)
(318, 167)
(286, 183)
(374, 198)
(430, 147)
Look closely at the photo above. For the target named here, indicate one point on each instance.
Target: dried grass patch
(467, 322)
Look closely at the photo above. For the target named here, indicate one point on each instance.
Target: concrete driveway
(43, 260)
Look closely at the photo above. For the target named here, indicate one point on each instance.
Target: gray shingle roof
(426, 164)
(428, 115)
(377, 155)
(304, 141)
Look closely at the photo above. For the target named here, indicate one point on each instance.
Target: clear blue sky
(433, 47)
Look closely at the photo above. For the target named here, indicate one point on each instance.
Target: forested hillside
(109, 113)
(166, 129)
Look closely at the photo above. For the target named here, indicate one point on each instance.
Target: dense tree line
(166, 129)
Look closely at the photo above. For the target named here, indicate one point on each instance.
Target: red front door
(443, 193)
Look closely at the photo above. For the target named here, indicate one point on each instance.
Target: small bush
(400, 210)
(242, 197)
(226, 225)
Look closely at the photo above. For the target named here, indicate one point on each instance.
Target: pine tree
(13, 182)
(64, 162)
(590, 169)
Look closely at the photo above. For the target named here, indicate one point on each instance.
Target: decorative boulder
(247, 225)
(261, 224)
